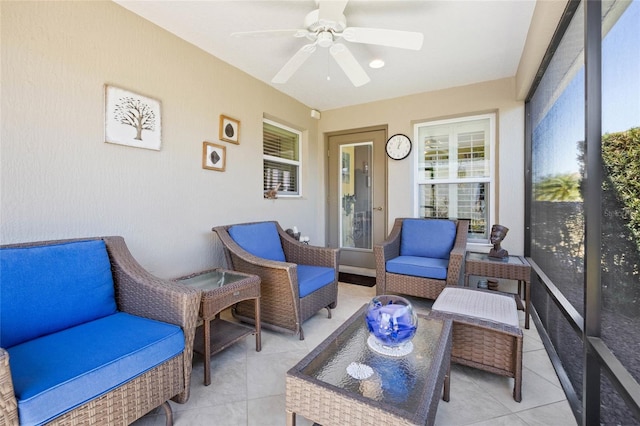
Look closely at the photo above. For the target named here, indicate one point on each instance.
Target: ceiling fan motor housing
(313, 22)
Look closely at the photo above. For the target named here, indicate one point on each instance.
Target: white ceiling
(464, 42)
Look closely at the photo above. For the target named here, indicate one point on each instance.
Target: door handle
(378, 208)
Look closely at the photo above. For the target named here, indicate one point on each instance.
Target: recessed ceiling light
(376, 63)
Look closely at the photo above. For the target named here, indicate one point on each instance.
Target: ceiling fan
(326, 27)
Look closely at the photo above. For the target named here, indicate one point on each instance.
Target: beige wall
(59, 179)
(400, 114)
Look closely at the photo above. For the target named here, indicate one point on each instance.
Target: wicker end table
(511, 268)
(221, 289)
(344, 382)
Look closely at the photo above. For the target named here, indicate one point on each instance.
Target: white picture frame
(132, 119)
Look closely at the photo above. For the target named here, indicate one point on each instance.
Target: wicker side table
(512, 268)
(221, 289)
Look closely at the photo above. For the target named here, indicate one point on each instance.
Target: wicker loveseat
(420, 257)
(297, 280)
(87, 336)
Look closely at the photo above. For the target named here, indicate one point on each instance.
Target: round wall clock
(398, 147)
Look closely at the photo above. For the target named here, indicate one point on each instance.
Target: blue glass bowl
(391, 321)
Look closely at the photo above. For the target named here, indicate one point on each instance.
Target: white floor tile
(248, 387)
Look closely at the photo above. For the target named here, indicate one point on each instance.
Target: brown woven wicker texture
(138, 293)
(8, 403)
(487, 345)
(281, 308)
(215, 299)
(387, 283)
(332, 406)
(499, 269)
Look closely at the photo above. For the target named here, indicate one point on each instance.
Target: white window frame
(275, 159)
(419, 179)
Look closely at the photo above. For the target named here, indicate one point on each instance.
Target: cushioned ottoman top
(480, 304)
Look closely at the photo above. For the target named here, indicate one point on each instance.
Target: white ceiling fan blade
(331, 10)
(349, 64)
(271, 33)
(294, 63)
(391, 38)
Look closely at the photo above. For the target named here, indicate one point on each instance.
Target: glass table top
(396, 381)
(212, 279)
(484, 257)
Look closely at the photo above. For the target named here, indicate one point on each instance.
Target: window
(454, 171)
(281, 158)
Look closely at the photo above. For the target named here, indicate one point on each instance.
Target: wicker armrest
(270, 272)
(300, 253)
(8, 403)
(456, 257)
(390, 248)
(140, 293)
(385, 251)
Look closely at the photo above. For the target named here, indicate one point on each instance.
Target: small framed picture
(132, 119)
(214, 156)
(229, 129)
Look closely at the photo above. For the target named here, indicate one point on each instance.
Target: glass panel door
(356, 195)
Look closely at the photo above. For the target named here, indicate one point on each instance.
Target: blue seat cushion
(425, 267)
(58, 372)
(427, 238)
(45, 289)
(259, 239)
(311, 278)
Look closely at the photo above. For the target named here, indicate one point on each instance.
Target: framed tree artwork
(132, 119)
(229, 129)
(214, 156)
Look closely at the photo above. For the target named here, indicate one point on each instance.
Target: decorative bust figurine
(498, 232)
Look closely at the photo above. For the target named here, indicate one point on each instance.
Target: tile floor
(248, 387)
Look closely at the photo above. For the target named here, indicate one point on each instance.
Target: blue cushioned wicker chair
(420, 257)
(298, 280)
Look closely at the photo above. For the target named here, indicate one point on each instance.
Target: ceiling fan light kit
(325, 39)
(325, 26)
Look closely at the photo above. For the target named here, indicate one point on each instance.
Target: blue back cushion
(427, 238)
(51, 288)
(259, 239)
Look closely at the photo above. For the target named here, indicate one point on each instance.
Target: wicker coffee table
(401, 391)
(511, 268)
(221, 289)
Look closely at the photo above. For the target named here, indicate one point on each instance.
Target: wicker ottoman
(486, 331)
